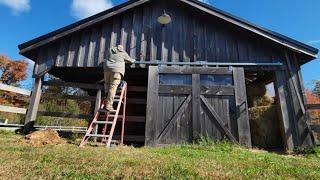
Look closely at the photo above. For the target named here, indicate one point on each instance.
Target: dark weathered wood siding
(192, 36)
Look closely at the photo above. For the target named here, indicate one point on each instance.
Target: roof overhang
(285, 41)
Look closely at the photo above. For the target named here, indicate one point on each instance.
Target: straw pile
(265, 126)
(43, 137)
(263, 117)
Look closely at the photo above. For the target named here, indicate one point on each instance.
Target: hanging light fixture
(164, 19)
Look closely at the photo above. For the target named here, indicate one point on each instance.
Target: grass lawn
(207, 160)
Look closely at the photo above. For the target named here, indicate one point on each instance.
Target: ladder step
(103, 122)
(97, 135)
(106, 111)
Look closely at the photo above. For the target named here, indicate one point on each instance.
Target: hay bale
(265, 129)
(43, 137)
(262, 101)
(255, 101)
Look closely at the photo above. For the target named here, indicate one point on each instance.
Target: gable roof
(276, 37)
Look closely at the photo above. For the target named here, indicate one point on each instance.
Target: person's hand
(142, 55)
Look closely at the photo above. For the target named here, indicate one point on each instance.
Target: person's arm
(128, 59)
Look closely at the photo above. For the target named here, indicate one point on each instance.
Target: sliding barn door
(186, 103)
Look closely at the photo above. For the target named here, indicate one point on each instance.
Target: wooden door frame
(244, 135)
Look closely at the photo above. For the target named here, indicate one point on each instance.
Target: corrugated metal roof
(279, 38)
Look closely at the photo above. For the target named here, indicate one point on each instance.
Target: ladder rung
(106, 111)
(103, 122)
(97, 135)
(103, 111)
(112, 116)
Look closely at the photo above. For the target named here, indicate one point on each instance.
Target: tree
(13, 72)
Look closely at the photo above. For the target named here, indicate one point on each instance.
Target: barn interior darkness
(263, 110)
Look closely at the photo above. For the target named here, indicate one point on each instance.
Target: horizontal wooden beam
(74, 85)
(59, 96)
(64, 115)
(138, 119)
(204, 90)
(313, 106)
(17, 90)
(91, 98)
(264, 68)
(131, 138)
(171, 89)
(217, 90)
(90, 86)
(135, 119)
(15, 110)
(194, 70)
(209, 63)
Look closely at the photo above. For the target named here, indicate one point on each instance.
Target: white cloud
(17, 6)
(85, 8)
(205, 1)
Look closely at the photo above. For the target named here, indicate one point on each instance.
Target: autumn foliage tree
(12, 72)
(313, 98)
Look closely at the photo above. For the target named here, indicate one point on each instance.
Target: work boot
(109, 108)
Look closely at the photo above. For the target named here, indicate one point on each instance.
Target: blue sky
(22, 20)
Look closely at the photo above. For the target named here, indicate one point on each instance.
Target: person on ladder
(114, 71)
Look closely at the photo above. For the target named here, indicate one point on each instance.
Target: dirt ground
(43, 137)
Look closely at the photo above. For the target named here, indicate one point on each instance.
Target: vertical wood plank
(126, 30)
(286, 125)
(242, 107)
(82, 49)
(61, 53)
(152, 102)
(102, 46)
(33, 105)
(93, 52)
(73, 50)
(196, 105)
(145, 33)
(135, 44)
(294, 83)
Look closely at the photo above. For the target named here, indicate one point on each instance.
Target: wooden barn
(192, 73)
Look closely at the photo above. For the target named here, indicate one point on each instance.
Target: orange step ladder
(106, 118)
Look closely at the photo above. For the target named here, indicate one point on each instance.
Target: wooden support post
(152, 102)
(286, 125)
(294, 84)
(196, 106)
(98, 102)
(306, 117)
(33, 105)
(242, 107)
